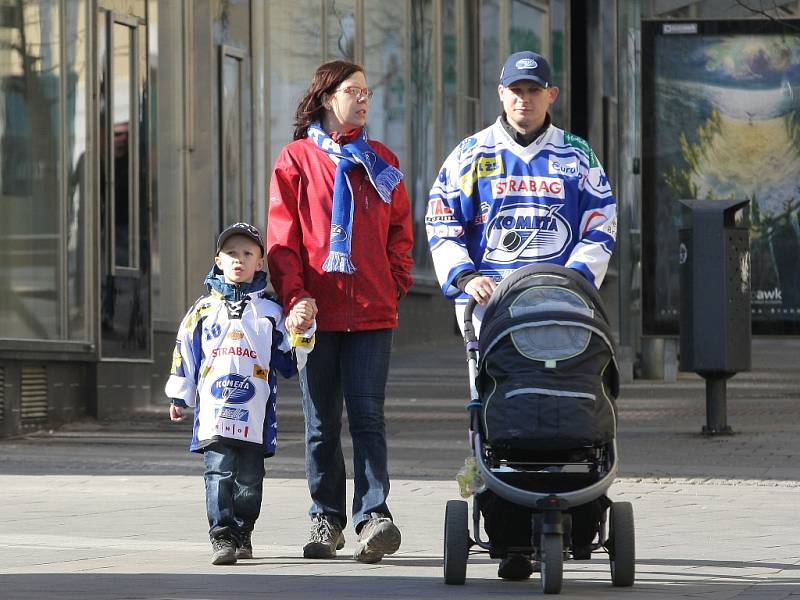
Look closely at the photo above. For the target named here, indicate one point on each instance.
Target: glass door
(123, 186)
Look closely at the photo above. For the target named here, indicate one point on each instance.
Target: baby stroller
(543, 426)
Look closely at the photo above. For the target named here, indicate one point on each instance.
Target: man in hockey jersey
(521, 191)
(229, 346)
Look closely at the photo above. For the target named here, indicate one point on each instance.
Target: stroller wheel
(456, 542)
(622, 544)
(552, 566)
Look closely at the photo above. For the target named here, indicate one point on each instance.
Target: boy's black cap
(244, 229)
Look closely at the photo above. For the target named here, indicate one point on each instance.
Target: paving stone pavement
(115, 510)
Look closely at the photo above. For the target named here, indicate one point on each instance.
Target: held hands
(301, 315)
(481, 288)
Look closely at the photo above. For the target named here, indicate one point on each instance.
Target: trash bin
(715, 319)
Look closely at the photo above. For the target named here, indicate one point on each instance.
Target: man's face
(526, 103)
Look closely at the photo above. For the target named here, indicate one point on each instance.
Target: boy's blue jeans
(350, 367)
(234, 482)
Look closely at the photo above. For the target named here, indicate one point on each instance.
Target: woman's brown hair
(325, 81)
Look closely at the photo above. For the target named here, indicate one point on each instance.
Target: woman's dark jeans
(350, 367)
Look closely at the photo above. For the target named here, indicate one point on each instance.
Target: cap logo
(526, 63)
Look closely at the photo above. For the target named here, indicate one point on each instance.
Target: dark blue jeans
(350, 367)
(234, 482)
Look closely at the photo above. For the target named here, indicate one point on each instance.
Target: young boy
(229, 345)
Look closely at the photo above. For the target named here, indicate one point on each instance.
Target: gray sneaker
(378, 536)
(324, 539)
(224, 551)
(245, 547)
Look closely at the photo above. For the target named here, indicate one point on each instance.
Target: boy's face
(239, 259)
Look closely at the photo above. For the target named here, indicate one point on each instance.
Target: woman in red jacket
(339, 236)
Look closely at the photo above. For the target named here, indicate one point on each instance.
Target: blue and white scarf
(383, 177)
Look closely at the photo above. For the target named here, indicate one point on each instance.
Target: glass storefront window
(231, 115)
(559, 111)
(423, 168)
(490, 60)
(41, 234)
(450, 78)
(527, 28)
(295, 50)
(385, 63)
(123, 224)
(341, 30)
(77, 190)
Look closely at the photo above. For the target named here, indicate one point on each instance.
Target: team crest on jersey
(527, 232)
(233, 389)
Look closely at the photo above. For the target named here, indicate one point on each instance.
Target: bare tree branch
(765, 14)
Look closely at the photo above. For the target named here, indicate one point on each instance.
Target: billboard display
(721, 120)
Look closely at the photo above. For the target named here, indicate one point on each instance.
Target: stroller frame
(615, 534)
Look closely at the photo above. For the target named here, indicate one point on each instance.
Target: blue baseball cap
(244, 229)
(526, 65)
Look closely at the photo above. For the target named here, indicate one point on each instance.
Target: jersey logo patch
(516, 185)
(527, 232)
(233, 389)
(567, 168)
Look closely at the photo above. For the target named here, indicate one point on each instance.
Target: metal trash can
(715, 319)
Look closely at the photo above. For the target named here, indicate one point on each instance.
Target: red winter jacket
(298, 234)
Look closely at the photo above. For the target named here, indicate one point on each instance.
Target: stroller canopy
(547, 373)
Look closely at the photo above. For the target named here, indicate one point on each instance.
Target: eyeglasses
(358, 92)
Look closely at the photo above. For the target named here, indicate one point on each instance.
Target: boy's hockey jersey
(224, 363)
(497, 206)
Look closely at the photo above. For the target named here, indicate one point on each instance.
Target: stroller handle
(469, 328)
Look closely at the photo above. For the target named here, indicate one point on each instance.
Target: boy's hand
(176, 413)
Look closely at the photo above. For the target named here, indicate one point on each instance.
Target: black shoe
(583, 552)
(224, 551)
(245, 547)
(377, 537)
(515, 566)
(324, 539)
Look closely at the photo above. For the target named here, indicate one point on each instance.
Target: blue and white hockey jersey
(226, 354)
(497, 206)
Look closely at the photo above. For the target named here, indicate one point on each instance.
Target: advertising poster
(720, 104)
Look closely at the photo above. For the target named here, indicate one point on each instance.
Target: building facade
(132, 131)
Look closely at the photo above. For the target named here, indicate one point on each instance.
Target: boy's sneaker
(245, 547)
(324, 539)
(224, 551)
(378, 536)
